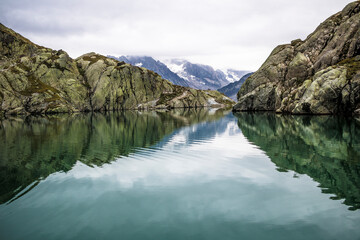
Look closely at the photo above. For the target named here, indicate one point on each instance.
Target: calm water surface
(185, 174)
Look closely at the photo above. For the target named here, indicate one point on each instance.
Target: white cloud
(228, 33)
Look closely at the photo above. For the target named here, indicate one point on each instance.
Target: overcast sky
(236, 34)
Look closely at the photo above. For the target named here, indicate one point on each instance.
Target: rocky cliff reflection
(326, 148)
(33, 148)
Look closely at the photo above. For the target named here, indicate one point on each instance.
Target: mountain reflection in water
(35, 147)
(326, 148)
(179, 174)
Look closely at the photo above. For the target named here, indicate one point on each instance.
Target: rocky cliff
(320, 75)
(38, 80)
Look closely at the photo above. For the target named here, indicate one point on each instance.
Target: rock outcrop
(320, 75)
(39, 80)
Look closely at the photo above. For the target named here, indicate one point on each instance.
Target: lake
(180, 174)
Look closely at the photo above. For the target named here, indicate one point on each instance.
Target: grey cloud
(207, 30)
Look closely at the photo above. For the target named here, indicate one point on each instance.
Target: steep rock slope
(153, 65)
(35, 79)
(232, 89)
(317, 76)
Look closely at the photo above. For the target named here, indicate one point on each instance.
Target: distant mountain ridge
(153, 65)
(199, 76)
(233, 75)
(202, 76)
(232, 89)
(184, 73)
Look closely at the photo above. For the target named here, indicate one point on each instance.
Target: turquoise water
(184, 174)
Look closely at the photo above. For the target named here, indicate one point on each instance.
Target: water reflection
(326, 148)
(35, 147)
(177, 175)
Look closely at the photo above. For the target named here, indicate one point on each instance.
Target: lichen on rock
(38, 80)
(320, 75)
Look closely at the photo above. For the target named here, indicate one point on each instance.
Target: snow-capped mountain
(153, 65)
(234, 75)
(197, 75)
(185, 73)
(232, 89)
(201, 76)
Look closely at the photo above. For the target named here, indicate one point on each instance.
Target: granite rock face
(320, 75)
(39, 80)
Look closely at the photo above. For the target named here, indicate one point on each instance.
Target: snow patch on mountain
(185, 73)
(198, 76)
(154, 65)
(233, 75)
(178, 67)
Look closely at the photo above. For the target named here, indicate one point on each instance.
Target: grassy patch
(54, 57)
(14, 70)
(352, 65)
(36, 86)
(23, 67)
(53, 98)
(94, 58)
